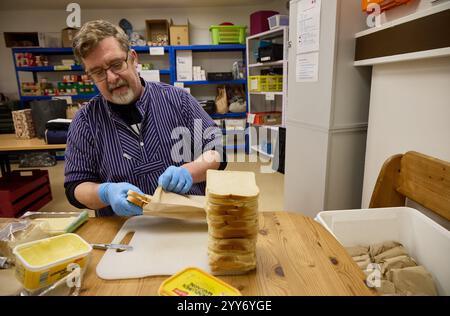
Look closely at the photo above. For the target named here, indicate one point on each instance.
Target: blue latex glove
(115, 194)
(176, 179)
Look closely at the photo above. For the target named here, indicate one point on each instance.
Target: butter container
(42, 262)
(195, 282)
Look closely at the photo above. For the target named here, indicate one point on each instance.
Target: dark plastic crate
(270, 53)
(220, 76)
(24, 190)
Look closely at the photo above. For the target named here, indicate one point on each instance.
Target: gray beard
(126, 98)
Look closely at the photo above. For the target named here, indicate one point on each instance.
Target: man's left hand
(176, 179)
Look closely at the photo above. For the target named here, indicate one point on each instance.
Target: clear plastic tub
(425, 240)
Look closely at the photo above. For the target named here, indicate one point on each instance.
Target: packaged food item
(56, 223)
(19, 231)
(195, 282)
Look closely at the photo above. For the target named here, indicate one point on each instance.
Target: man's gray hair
(92, 32)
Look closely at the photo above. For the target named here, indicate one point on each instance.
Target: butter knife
(118, 247)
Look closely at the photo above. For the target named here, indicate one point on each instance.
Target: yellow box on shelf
(195, 282)
(272, 83)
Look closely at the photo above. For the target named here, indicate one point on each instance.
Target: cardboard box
(179, 35)
(21, 39)
(23, 124)
(67, 36)
(184, 65)
(157, 32)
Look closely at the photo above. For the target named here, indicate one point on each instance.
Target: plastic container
(425, 240)
(228, 34)
(278, 20)
(195, 282)
(259, 21)
(42, 262)
(273, 83)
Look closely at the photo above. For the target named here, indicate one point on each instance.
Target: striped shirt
(101, 147)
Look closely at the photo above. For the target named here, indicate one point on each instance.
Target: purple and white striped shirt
(102, 148)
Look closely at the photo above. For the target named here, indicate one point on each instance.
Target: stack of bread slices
(232, 215)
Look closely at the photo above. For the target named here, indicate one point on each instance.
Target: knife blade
(118, 247)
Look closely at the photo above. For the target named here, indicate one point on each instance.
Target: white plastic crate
(425, 240)
(278, 20)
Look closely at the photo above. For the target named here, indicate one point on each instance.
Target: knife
(118, 247)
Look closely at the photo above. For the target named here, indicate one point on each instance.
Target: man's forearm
(208, 160)
(86, 193)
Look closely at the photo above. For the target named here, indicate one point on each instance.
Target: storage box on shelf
(265, 83)
(228, 34)
(278, 20)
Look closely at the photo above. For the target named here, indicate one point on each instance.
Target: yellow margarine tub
(195, 282)
(42, 262)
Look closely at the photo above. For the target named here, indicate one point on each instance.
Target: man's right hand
(115, 194)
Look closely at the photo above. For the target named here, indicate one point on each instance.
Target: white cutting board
(161, 246)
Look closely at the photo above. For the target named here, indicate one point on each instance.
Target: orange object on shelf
(384, 4)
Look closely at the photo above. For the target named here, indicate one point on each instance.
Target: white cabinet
(326, 120)
(267, 89)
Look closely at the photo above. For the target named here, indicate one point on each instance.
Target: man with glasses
(128, 137)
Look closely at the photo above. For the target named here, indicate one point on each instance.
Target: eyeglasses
(116, 68)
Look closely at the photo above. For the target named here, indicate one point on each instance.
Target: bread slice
(232, 218)
(230, 264)
(232, 245)
(226, 232)
(138, 199)
(235, 185)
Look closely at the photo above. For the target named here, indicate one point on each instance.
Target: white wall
(54, 20)
(409, 110)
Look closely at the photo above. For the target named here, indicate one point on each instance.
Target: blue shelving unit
(48, 97)
(171, 72)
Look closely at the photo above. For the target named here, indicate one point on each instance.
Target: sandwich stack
(232, 216)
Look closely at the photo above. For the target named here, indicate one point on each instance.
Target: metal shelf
(50, 68)
(268, 64)
(265, 93)
(204, 82)
(208, 48)
(169, 51)
(48, 97)
(146, 49)
(44, 50)
(229, 115)
(278, 32)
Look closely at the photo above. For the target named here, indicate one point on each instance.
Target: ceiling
(124, 4)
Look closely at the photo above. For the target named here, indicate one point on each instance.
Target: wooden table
(10, 144)
(295, 256)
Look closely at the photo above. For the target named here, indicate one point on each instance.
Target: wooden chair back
(421, 178)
